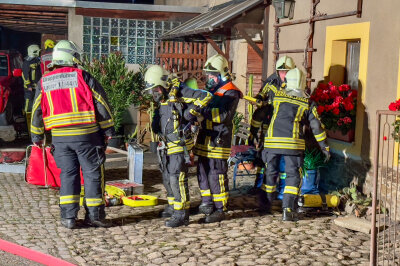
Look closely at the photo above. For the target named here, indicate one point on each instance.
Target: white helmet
(65, 53)
(156, 76)
(217, 63)
(295, 82)
(285, 63)
(33, 50)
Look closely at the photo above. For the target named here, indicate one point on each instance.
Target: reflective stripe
(271, 127)
(98, 97)
(184, 203)
(211, 154)
(205, 193)
(215, 115)
(221, 182)
(255, 123)
(316, 115)
(292, 101)
(171, 200)
(193, 112)
(94, 202)
(209, 124)
(50, 101)
(106, 124)
(221, 196)
(320, 137)
(71, 121)
(37, 130)
(296, 124)
(69, 199)
(212, 148)
(74, 131)
(291, 190)
(291, 146)
(268, 189)
(74, 102)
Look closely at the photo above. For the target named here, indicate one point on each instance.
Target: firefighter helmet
(217, 63)
(65, 53)
(285, 63)
(295, 82)
(49, 44)
(33, 50)
(156, 76)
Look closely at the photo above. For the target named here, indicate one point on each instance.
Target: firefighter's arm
(25, 74)
(197, 100)
(155, 123)
(226, 108)
(37, 125)
(103, 110)
(318, 130)
(256, 120)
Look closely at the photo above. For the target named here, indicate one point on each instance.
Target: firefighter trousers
(213, 181)
(176, 181)
(89, 156)
(293, 165)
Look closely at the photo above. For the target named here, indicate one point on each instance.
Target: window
(136, 39)
(3, 66)
(352, 63)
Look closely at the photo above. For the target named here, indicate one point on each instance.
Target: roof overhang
(221, 19)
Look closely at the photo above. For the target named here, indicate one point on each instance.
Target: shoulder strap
(227, 87)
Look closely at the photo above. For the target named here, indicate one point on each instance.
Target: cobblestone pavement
(29, 216)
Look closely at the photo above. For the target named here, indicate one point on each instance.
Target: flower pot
(115, 142)
(337, 134)
(309, 185)
(153, 146)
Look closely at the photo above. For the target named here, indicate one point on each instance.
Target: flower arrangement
(336, 106)
(395, 106)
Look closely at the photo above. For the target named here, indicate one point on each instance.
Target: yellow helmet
(156, 76)
(33, 50)
(217, 63)
(285, 63)
(295, 82)
(49, 44)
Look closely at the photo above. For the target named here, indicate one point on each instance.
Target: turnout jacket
(31, 72)
(172, 116)
(73, 105)
(261, 114)
(285, 134)
(215, 136)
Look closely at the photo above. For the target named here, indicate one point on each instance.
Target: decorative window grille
(135, 39)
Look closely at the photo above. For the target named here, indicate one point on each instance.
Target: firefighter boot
(206, 208)
(167, 212)
(215, 217)
(289, 215)
(97, 222)
(264, 205)
(179, 218)
(68, 223)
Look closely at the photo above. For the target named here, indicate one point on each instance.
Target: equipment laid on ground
(116, 195)
(315, 201)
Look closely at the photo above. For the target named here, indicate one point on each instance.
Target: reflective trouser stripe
(94, 202)
(268, 189)
(291, 190)
(69, 199)
(205, 193)
(171, 200)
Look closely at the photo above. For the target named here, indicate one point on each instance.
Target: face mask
(157, 96)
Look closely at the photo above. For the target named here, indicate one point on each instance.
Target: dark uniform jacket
(215, 136)
(104, 121)
(260, 115)
(285, 133)
(31, 72)
(171, 117)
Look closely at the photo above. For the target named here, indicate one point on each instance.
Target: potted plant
(337, 109)
(122, 86)
(313, 160)
(395, 106)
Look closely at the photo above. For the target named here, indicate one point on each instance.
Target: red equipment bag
(35, 168)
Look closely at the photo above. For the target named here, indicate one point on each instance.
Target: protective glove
(327, 154)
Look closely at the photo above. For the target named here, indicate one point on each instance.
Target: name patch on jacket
(60, 81)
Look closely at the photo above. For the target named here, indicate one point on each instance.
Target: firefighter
(31, 74)
(260, 119)
(178, 109)
(213, 145)
(285, 138)
(73, 105)
(45, 58)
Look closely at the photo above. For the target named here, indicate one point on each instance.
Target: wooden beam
(359, 8)
(34, 13)
(215, 46)
(293, 51)
(33, 8)
(31, 17)
(32, 23)
(134, 14)
(317, 18)
(265, 42)
(243, 33)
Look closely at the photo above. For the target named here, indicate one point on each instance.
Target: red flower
(320, 109)
(393, 106)
(347, 120)
(344, 87)
(330, 83)
(384, 138)
(340, 122)
(348, 106)
(336, 111)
